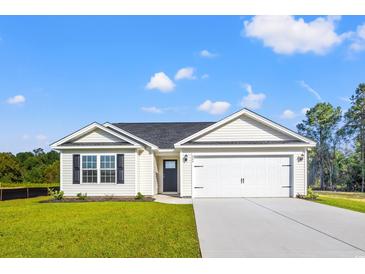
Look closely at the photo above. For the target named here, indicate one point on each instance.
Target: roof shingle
(163, 135)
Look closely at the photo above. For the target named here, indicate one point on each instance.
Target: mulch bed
(99, 199)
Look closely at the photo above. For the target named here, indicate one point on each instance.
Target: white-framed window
(89, 169)
(107, 168)
(98, 168)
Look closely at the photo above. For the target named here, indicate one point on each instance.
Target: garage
(242, 176)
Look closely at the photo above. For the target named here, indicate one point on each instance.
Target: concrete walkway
(277, 227)
(168, 199)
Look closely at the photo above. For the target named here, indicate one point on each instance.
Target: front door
(169, 175)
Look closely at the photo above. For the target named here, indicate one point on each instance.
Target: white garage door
(262, 176)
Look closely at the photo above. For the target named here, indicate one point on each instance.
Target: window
(89, 169)
(170, 164)
(98, 169)
(107, 169)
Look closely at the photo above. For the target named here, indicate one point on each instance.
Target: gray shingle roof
(163, 135)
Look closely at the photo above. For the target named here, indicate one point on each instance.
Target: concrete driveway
(277, 227)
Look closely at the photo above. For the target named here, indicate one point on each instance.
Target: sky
(58, 74)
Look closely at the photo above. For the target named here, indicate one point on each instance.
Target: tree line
(337, 161)
(34, 167)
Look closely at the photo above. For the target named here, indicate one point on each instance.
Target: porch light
(300, 157)
(185, 158)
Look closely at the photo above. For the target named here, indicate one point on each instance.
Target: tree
(38, 151)
(355, 125)
(52, 172)
(30, 167)
(321, 125)
(10, 171)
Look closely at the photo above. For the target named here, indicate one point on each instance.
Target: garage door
(231, 176)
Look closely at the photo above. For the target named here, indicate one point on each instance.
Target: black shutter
(76, 169)
(120, 168)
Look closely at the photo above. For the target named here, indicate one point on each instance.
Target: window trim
(98, 168)
(82, 169)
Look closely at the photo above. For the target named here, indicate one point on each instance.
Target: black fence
(21, 193)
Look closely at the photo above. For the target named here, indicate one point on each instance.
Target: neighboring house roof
(163, 135)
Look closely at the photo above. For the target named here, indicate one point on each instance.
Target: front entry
(169, 175)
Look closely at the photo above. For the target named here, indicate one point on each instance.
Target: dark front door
(169, 175)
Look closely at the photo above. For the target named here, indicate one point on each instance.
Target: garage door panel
(205, 178)
(211, 178)
(267, 176)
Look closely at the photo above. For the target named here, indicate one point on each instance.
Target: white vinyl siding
(97, 136)
(126, 189)
(145, 172)
(298, 168)
(186, 182)
(243, 129)
(155, 175)
(300, 183)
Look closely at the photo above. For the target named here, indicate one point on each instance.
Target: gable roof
(163, 135)
(253, 115)
(169, 135)
(67, 142)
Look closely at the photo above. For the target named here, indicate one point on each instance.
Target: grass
(22, 185)
(350, 200)
(100, 229)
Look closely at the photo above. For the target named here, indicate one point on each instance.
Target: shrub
(311, 195)
(139, 196)
(56, 194)
(81, 196)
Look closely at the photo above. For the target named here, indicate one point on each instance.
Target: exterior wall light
(185, 158)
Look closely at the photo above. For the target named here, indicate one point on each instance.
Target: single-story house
(242, 155)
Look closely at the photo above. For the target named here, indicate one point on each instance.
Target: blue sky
(58, 74)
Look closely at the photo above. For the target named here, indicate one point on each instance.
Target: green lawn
(349, 200)
(96, 229)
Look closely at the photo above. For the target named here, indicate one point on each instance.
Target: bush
(56, 194)
(311, 195)
(81, 196)
(139, 196)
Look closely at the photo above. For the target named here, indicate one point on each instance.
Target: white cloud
(41, 137)
(304, 111)
(310, 89)
(252, 100)
(207, 54)
(205, 76)
(345, 99)
(288, 114)
(16, 100)
(185, 73)
(288, 35)
(217, 107)
(25, 137)
(358, 43)
(161, 82)
(151, 109)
